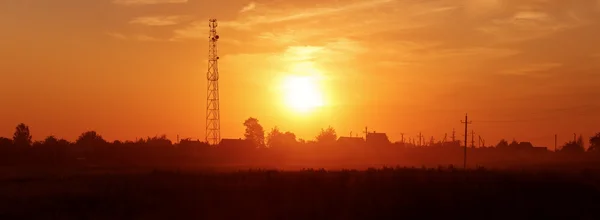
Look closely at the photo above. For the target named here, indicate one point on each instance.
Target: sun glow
(301, 93)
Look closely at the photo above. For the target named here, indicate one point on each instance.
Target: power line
(546, 118)
(453, 135)
(472, 138)
(466, 122)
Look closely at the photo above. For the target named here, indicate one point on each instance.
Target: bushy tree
(595, 143)
(51, 141)
(159, 141)
(277, 139)
(90, 139)
(22, 136)
(573, 146)
(5, 142)
(514, 144)
(327, 136)
(254, 132)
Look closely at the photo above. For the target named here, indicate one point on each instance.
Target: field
(387, 193)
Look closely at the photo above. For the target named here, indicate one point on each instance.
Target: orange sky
(523, 69)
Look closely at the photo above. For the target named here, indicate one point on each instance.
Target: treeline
(280, 149)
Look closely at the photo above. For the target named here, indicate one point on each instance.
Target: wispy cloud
(137, 37)
(248, 7)
(531, 16)
(478, 52)
(194, 30)
(277, 16)
(117, 35)
(482, 7)
(532, 69)
(147, 2)
(159, 20)
(528, 25)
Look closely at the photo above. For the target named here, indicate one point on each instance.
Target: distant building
(376, 139)
(192, 143)
(235, 143)
(351, 141)
(526, 145)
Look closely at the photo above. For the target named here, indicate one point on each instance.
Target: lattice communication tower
(213, 124)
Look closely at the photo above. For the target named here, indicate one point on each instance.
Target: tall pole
(472, 139)
(402, 137)
(445, 139)
(213, 120)
(466, 122)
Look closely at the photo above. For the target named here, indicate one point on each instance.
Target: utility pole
(402, 137)
(481, 142)
(466, 122)
(472, 139)
(445, 139)
(453, 135)
(420, 137)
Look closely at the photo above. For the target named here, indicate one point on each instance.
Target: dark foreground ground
(310, 194)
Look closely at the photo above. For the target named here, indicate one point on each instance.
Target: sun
(302, 93)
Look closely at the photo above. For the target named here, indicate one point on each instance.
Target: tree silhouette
(514, 144)
(159, 141)
(502, 144)
(327, 136)
(595, 143)
(22, 136)
(90, 139)
(51, 141)
(254, 132)
(5, 142)
(574, 146)
(276, 138)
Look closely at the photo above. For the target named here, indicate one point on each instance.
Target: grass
(388, 193)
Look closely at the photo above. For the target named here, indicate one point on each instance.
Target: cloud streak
(532, 69)
(248, 7)
(159, 20)
(137, 37)
(277, 16)
(147, 2)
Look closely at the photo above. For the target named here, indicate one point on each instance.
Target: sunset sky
(524, 69)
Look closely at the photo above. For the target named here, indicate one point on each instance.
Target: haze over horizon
(523, 69)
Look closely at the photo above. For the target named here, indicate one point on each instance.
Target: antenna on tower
(213, 124)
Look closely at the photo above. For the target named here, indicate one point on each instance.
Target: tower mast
(213, 124)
